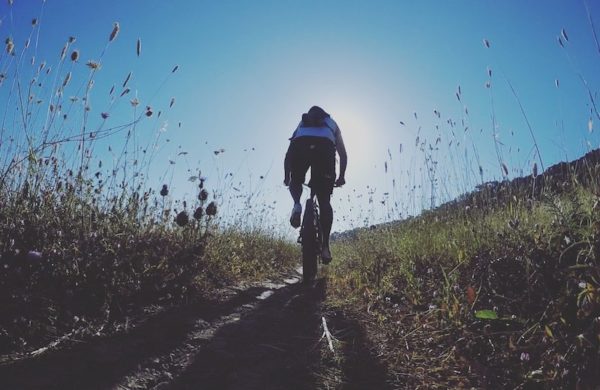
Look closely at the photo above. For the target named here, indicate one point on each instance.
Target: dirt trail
(266, 337)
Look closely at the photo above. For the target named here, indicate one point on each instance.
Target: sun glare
(358, 134)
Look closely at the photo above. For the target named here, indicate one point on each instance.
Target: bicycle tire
(309, 243)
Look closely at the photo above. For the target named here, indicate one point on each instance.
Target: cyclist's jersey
(328, 130)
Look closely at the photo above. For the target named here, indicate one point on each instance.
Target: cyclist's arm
(287, 167)
(287, 164)
(341, 149)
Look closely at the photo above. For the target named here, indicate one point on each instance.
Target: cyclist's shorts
(318, 153)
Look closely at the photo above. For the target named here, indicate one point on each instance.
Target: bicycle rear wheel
(309, 243)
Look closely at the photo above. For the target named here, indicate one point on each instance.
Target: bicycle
(311, 238)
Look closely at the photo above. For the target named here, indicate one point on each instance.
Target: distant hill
(555, 179)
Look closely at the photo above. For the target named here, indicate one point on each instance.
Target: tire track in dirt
(166, 350)
(262, 337)
(102, 362)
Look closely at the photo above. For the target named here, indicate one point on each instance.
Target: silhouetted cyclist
(313, 144)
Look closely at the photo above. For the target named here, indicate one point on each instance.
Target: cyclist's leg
(299, 164)
(324, 198)
(323, 170)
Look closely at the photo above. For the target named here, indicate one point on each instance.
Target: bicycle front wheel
(309, 243)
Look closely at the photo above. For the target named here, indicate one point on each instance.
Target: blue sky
(249, 69)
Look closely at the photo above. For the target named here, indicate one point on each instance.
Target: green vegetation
(85, 245)
(500, 288)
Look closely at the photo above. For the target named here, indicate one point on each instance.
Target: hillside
(556, 179)
(498, 289)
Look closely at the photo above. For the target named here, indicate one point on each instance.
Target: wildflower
(182, 219)
(203, 195)
(164, 191)
(148, 111)
(114, 32)
(211, 209)
(104, 115)
(75, 55)
(135, 102)
(198, 213)
(34, 21)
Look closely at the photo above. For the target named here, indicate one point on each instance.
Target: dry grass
(532, 264)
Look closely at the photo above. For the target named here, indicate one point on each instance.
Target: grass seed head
(67, 79)
(93, 65)
(164, 191)
(10, 46)
(114, 32)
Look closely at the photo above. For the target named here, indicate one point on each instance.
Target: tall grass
(84, 241)
(532, 263)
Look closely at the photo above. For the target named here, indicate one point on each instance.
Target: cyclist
(313, 144)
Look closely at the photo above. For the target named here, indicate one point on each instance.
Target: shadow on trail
(269, 342)
(275, 346)
(101, 363)
(361, 369)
